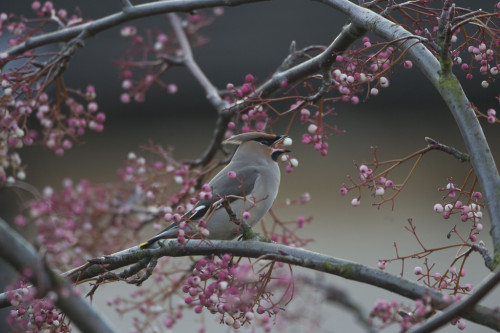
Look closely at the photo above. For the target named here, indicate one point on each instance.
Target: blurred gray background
(255, 39)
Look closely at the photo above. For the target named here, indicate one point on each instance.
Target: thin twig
(131, 13)
(460, 308)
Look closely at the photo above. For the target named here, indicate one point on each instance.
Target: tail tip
(145, 244)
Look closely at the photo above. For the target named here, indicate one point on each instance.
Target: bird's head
(260, 143)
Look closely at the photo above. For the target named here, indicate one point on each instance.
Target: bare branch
(211, 92)
(462, 157)
(444, 35)
(22, 256)
(300, 257)
(126, 4)
(129, 13)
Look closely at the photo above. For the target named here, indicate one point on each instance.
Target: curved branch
(211, 92)
(22, 256)
(256, 249)
(349, 34)
(320, 63)
(299, 257)
(128, 13)
(450, 89)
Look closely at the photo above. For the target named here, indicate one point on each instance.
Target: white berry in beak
(287, 142)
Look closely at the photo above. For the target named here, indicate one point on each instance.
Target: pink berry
(408, 64)
(36, 5)
(125, 98)
(172, 88)
(231, 174)
(245, 89)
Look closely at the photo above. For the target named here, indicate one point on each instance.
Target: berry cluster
(34, 315)
(377, 184)
(82, 220)
(151, 55)
(238, 292)
(406, 316)
(466, 204)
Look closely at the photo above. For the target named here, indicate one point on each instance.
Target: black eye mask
(269, 141)
(264, 141)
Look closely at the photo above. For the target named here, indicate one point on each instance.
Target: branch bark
(212, 93)
(22, 256)
(299, 257)
(128, 13)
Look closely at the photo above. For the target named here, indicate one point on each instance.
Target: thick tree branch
(349, 34)
(450, 89)
(128, 13)
(22, 256)
(300, 257)
(256, 249)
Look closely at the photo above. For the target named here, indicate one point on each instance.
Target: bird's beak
(276, 153)
(279, 140)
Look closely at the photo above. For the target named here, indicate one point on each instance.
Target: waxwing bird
(249, 183)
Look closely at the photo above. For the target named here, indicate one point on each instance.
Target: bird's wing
(223, 186)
